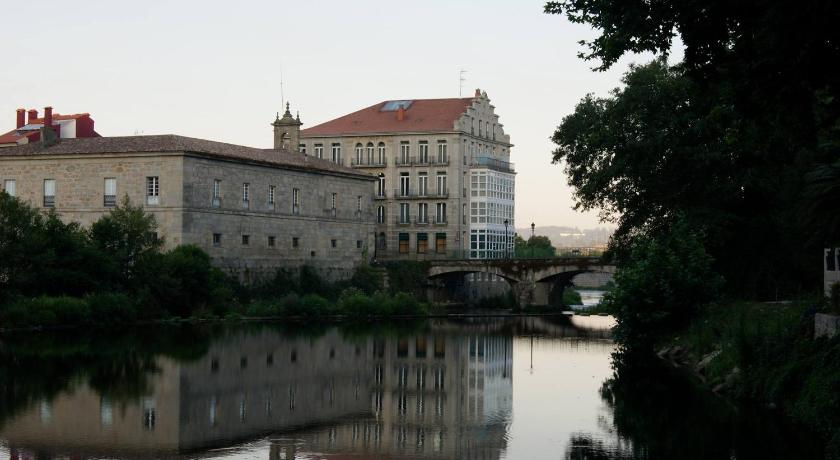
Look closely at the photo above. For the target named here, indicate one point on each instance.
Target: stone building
(253, 210)
(445, 184)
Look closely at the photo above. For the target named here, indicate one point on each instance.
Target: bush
(405, 304)
(315, 306)
(262, 309)
(367, 279)
(111, 308)
(353, 302)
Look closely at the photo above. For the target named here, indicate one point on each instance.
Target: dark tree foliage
(733, 133)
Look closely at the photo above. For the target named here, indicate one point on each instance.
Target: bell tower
(287, 131)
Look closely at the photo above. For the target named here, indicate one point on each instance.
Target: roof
(30, 129)
(421, 115)
(172, 143)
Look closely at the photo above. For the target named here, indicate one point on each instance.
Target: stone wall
(186, 214)
(826, 325)
(80, 185)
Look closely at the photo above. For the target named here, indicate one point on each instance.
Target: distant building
(445, 182)
(65, 126)
(253, 210)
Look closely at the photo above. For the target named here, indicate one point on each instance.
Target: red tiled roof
(423, 115)
(171, 143)
(12, 136)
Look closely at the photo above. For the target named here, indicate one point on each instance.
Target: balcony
(441, 160)
(492, 163)
(413, 195)
(403, 161)
(380, 196)
(375, 163)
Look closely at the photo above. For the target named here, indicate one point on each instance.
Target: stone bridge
(530, 279)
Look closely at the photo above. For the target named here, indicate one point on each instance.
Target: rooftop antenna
(461, 79)
(282, 99)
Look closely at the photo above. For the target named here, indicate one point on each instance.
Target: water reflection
(487, 388)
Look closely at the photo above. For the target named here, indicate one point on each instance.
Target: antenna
(461, 81)
(282, 99)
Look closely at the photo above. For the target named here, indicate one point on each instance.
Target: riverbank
(765, 353)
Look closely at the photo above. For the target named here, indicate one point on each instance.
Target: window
(440, 243)
(494, 131)
(380, 187)
(380, 215)
(441, 184)
(319, 150)
(440, 215)
(358, 244)
(359, 154)
(302, 148)
(332, 210)
(9, 187)
(246, 240)
(405, 152)
(271, 241)
(336, 153)
(152, 190)
(246, 194)
(403, 243)
(272, 190)
(422, 243)
(404, 216)
(49, 193)
(380, 153)
(110, 198)
(404, 184)
(422, 213)
(424, 152)
(148, 414)
(217, 193)
(295, 201)
(359, 203)
(333, 243)
(217, 239)
(442, 156)
(487, 129)
(369, 149)
(423, 184)
(295, 242)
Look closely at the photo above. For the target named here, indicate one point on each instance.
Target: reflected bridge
(531, 280)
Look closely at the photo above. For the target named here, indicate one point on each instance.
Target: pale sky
(211, 69)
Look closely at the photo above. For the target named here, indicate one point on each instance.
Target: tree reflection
(658, 412)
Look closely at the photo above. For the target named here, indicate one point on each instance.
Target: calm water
(526, 388)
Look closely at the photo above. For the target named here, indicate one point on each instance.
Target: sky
(212, 70)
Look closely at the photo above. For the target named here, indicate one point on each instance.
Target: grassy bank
(765, 353)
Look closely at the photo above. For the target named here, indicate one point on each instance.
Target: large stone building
(253, 210)
(445, 184)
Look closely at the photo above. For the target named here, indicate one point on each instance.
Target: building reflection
(435, 393)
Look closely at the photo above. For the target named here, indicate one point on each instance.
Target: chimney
(477, 92)
(400, 114)
(21, 118)
(33, 114)
(48, 121)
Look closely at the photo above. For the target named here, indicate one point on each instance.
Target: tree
(763, 67)
(127, 234)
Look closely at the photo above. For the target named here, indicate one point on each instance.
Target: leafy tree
(536, 246)
(127, 234)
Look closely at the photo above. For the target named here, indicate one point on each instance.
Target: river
(477, 388)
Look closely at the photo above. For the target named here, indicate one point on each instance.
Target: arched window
(380, 215)
(358, 154)
(380, 154)
(370, 153)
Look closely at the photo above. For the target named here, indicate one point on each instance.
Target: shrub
(262, 309)
(367, 279)
(111, 308)
(406, 304)
(315, 306)
(354, 302)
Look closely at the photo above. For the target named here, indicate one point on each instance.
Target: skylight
(392, 106)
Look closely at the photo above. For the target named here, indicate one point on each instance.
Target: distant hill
(570, 236)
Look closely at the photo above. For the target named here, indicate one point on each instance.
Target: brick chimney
(33, 114)
(21, 118)
(477, 92)
(400, 114)
(49, 136)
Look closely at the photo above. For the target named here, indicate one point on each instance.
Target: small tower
(287, 131)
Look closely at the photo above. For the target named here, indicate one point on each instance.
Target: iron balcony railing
(493, 163)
